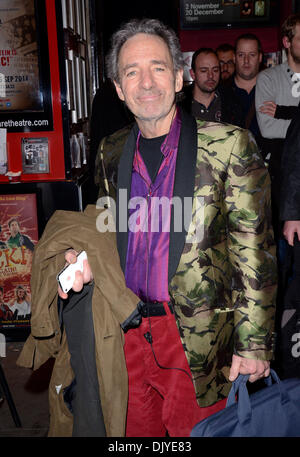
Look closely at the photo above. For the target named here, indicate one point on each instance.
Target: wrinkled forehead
(143, 47)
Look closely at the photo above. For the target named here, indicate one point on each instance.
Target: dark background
(110, 15)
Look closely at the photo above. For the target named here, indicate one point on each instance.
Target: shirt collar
(170, 143)
(241, 89)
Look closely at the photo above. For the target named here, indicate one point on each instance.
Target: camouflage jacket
(222, 279)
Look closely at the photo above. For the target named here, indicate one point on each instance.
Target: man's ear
(179, 80)
(192, 73)
(119, 91)
(286, 42)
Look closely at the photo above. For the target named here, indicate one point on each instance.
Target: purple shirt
(149, 222)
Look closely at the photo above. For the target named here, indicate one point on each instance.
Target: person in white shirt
(21, 303)
(277, 98)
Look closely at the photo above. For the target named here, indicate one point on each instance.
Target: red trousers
(160, 400)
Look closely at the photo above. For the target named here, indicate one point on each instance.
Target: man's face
(14, 228)
(227, 60)
(293, 46)
(207, 72)
(20, 293)
(247, 59)
(147, 79)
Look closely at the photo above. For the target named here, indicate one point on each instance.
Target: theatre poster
(19, 67)
(18, 236)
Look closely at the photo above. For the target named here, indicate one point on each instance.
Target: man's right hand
(268, 108)
(289, 230)
(81, 278)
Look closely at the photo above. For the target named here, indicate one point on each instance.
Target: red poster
(19, 234)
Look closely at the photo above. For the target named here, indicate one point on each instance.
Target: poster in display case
(56, 84)
(35, 155)
(25, 95)
(19, 234)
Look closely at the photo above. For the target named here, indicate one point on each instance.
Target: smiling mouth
(148, 97)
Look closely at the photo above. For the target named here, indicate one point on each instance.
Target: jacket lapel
(123, 194)
(183, 186)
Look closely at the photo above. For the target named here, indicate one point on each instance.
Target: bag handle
(244, 409)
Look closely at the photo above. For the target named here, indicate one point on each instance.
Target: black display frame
(272, 20)
(296, 6)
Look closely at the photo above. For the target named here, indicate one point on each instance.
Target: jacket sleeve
(265, 90)
(286, 112)
(251, 250)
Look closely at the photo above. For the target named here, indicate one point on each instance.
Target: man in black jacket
(290, 182)
(205, 98)
(290, 215)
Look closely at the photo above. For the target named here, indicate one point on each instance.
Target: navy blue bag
(273, 411)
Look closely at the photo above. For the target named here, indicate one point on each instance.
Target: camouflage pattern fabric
(224, 289)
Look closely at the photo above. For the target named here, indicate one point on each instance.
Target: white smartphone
(66, 276)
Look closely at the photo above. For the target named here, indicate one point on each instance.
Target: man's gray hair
(132, 28)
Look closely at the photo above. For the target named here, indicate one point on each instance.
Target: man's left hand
(256, 368)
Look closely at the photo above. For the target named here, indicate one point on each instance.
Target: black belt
(151, 309)
(148, 309)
